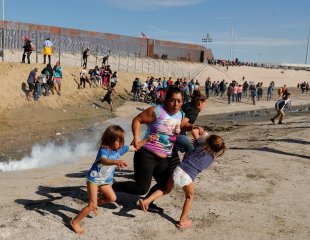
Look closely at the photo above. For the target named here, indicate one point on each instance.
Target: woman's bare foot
(184, 224)
(142, 205)
(76, 227)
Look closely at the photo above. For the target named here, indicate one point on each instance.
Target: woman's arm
(186, 126)
(149, 139)
(145, 117)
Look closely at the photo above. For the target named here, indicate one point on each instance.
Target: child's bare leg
(144, 204)
(92, 190)
(108, 194)
(189, 191)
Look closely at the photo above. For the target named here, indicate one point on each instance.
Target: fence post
(59, 46)
(127, 61)
(97, 50)
(119, 61)
(148, 64)
(163, 68)
(3, 42)
(36, 44)
(82, 56)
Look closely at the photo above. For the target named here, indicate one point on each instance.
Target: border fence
(73, 41)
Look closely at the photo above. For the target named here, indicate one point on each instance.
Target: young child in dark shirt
(207, 148)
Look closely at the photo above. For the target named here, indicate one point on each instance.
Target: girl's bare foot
(76, 227)
(142, 205)
(96, 212)
(184, 224)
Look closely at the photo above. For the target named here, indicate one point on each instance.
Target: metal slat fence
(125, 52)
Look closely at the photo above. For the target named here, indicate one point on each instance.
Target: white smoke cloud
(50, 154)
(53, 154)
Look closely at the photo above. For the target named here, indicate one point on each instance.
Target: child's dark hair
(215, 145)
(197, 97)
(112, 134)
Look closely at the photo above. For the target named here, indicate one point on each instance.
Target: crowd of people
(48, 81)
(153, 89)
(96, 77)
(176, 107)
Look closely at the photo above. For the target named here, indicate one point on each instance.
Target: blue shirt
(58, 71)
(32, 76)
(165, 83)
(103, 174)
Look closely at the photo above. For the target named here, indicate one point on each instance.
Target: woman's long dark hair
(173, 90)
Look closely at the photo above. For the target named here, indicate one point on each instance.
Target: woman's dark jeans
(146, 166)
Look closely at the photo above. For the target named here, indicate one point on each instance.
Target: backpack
(32, 47)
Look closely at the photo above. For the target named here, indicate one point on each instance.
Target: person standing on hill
(47, 50)
(31, 82)
(83, 79)
(57, 72)
(282, 103)
(85, 56)
(104, 60)
(108, 96)
(48, 70)
(28, 48)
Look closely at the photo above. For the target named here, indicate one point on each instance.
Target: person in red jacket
(27, 50)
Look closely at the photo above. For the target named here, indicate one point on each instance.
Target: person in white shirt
(83, 78)
(47, 50)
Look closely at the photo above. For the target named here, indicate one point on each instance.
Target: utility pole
(231, 42)
(2, 10)
(307, 47)
(206, 40)
(3, 32)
